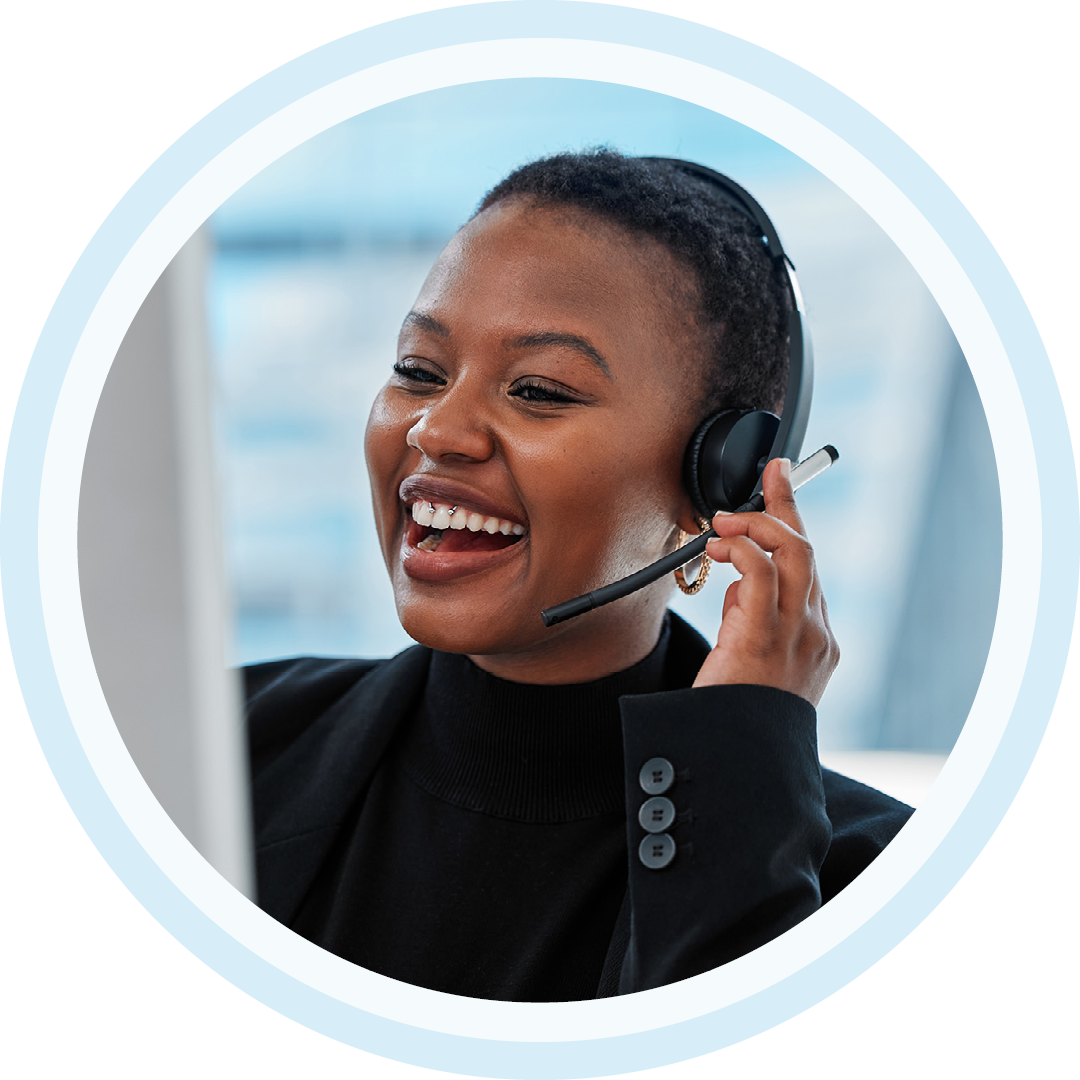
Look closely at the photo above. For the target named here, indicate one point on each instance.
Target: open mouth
(446, 529)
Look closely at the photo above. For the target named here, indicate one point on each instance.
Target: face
(528, 446)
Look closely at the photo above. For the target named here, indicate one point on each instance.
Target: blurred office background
(309, 269)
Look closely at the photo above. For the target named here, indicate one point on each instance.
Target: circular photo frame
(189, 204)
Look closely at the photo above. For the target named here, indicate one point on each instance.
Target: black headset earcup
(725, 457)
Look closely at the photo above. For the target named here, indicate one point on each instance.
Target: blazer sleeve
(741, 859)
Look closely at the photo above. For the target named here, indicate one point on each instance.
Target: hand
(775, 628)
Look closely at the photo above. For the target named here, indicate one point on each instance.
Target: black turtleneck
(452, 830)
(488, 857)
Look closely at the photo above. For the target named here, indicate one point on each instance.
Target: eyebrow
(539, 339)
(425, 322)
(544, 338)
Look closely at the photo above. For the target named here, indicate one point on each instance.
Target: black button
(656, 851)
(656, 776)
(656, 814)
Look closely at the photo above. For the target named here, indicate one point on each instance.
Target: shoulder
(316, 730)
(284, 697)
(864, 821)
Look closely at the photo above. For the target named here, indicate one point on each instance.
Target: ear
(687, 517)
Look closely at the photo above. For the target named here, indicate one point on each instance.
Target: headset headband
(800, 380)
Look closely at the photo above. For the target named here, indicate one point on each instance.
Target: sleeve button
(656, 851)
(656, 814)
(656, 776)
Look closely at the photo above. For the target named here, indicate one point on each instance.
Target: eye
(416, 374)
(538, 392)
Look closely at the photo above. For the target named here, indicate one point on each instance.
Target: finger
(791, 552)
(779, 494)
(758, 589)
(824, 608)
(768, 532)
(731, 599)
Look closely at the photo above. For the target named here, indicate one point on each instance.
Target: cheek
(385, 451)
(384, 438)
(612, 499)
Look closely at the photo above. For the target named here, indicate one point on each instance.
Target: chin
(475, 633)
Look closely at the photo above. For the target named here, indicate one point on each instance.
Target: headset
(729, 450)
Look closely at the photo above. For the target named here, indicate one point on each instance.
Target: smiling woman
(514, 811)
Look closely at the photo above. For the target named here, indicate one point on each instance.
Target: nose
(453, 428)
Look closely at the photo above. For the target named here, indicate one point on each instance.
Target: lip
(431, 567)
(435, 568)
(440, 489)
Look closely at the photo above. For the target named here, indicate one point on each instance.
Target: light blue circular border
(126, 224)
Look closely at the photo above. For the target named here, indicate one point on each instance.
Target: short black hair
(743, 295)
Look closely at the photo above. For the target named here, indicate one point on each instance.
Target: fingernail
(722, 513)
(785, 468)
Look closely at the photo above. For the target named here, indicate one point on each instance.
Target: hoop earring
(698, 583)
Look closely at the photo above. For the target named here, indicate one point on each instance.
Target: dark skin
(544, 376)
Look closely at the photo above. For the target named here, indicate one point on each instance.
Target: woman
(470, 815)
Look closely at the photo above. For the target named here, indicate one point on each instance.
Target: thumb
(779, 495)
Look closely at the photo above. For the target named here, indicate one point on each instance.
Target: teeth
(442, 516)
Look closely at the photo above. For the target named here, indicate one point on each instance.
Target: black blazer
(764, 836)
